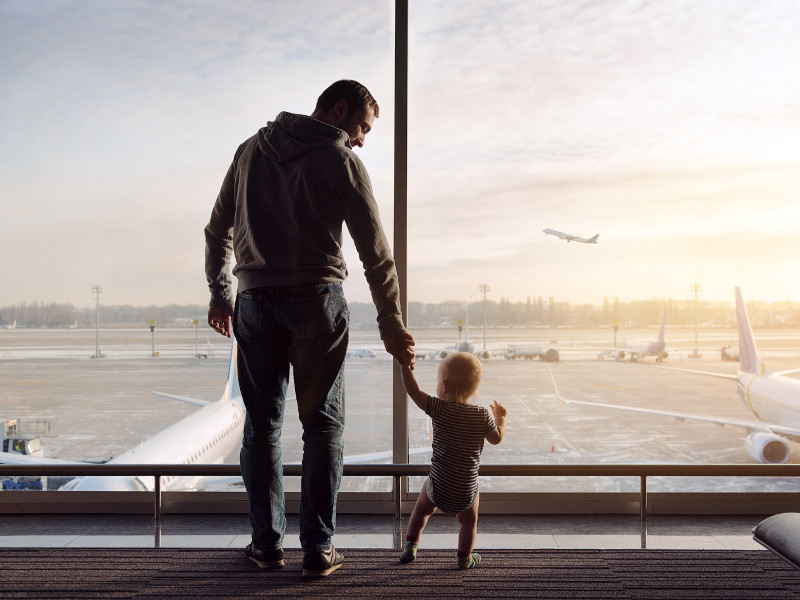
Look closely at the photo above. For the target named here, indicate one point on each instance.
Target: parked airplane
(462, 346)
(572, 238)
(206, 436)
(773, 398)
(636, 349)
(12, 326)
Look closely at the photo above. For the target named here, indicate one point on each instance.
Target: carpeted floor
(45, 574)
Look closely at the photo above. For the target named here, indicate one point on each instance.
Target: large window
(668, 130)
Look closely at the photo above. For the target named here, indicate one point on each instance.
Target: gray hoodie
(280, 211)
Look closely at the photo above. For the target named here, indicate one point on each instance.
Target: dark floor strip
(225, 574)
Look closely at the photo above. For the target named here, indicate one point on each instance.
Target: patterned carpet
(52, 573)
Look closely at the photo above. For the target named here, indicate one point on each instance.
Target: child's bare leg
(423, 509)
(468, 528)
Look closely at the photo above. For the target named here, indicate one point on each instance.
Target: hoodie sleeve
(219, 242)
(363, 222)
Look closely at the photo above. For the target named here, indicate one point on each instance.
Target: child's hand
(498, 410)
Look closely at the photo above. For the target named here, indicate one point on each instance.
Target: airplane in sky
(636, 349)
(572, 238)
(207, 436)
(773, 398)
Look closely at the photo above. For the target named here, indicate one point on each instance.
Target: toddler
(459, 429)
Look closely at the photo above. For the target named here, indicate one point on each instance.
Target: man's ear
(340, 110)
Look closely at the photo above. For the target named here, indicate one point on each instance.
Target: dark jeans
(306, 327)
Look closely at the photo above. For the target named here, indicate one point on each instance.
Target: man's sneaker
(322, 564)
(409, 552)
(469, 562)
(266, 559)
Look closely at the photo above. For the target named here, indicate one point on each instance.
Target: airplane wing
(193, 401)
(746, 424)
(12, 458)
(708, 373)
(371, 457)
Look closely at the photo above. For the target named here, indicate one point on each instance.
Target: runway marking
(28, 383)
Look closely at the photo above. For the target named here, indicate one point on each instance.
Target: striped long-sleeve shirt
(458, 434)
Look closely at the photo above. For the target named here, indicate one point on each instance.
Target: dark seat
(781, 534)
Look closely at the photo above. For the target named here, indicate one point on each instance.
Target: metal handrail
(407, 470)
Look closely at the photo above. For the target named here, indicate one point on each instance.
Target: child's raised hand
(498, 410)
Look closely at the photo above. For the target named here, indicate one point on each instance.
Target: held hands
(219, 319)
(401, 347)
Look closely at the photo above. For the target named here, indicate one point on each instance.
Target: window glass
(119, 122)
(668, 131)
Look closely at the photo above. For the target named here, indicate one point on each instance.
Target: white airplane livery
(636, 349)
(206, 436)
(572, 238)
(773, 398)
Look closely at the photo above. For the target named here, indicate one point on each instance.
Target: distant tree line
(533, 312)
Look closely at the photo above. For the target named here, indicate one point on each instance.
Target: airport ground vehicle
(531, 352)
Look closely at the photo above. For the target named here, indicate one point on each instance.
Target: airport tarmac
(98, 408)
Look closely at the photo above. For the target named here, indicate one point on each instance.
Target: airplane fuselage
(206, 436)
(642, 348)
(771, 398)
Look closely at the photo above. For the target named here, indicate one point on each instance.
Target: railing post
(157, 494)
(397, 496)
(643, 497)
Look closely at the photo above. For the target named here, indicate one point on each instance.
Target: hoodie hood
(291, 135)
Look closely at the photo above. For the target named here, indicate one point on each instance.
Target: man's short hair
(357, 96)
(463, 373)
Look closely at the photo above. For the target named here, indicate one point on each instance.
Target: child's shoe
(409, 552)
(469, 562)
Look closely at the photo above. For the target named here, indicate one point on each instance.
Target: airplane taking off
(773, 398)
(636, 349)
(572, 238)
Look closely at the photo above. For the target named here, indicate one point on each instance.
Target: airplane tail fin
(232, 391)
(749, 361)
(593, 239)
(663, 325)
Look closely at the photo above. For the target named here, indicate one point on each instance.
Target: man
(280, 210)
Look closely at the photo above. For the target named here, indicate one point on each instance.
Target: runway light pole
(695, 287)
(153, 334)
(484, 287)
(96, 289)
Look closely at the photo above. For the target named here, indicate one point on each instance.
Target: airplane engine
(664, 354)
(483, 354)
(766, 447)
(443, 354)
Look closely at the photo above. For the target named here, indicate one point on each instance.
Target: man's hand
(219, 319)
(400, 347)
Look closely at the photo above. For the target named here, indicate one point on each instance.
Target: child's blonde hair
(462, 371)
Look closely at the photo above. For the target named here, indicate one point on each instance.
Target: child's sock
(409, 551)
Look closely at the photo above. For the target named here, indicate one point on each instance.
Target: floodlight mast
(96, 289)
(484, 287)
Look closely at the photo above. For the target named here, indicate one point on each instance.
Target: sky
(670, 128)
